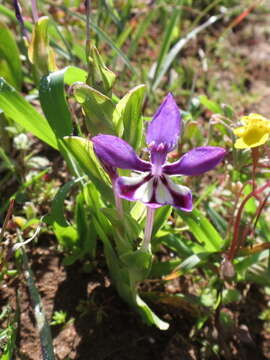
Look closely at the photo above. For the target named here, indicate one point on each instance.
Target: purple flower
(154, 186)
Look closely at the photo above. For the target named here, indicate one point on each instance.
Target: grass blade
(179, 46)
(166, 44)
(103, 36)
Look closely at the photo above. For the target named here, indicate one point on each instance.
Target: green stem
(146, 244)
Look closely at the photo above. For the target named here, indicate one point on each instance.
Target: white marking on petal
(145, 191)
(163, 195)
(183, 190)
(132, 180)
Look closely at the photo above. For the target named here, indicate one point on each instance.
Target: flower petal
(196, 161)
(181, 195)
(135, 187)
(242, 143)
(118, 153)
(164, 130)
(154, 191)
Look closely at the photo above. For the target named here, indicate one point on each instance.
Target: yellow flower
(255, 131)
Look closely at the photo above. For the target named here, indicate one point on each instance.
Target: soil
(100, 325)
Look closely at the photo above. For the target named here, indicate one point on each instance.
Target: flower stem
(146, 244)
(118, 200)
(255, 159)
(235, 242)
(34, 11)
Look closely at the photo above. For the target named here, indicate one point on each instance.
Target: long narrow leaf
(166, 42)
(203, 230)
(179, 46)
(103, 36)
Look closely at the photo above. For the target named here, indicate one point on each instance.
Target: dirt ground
(101, 326)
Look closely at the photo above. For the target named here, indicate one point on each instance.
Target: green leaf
(98, 109)
(167, 40)
(66, 234)
(160, 269)
(53, 99)
(148, 315)
(127, 116)
(20, 111)
(203, 230)
(99, 76)
(172, 54)
(138, 263)
(111, 258)
(85, 227)
(161, 217)
(39, 52)
(82, 150)
(210, 105)
(10, 63)
(192, 261)
(217, 220)
(174, 242)
(127, 227)
(103, 36)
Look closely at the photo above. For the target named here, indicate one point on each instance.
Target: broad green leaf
(82, 150)
(203, 230)
(138, 211)
(127, 226)
(210, 105)
(94, 202)
(53, 99)
(57, 212)
(164, 268)
(97, 107)
(99, 76)
(10, 63)
(230, 296)
(85, 227)
(19, 110)
(127, 116)
(39, 52)
(66, 234)
(138, 263)
(111, 258)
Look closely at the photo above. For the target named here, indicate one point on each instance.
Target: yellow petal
(255, 135)
(261, 141)
(240, 131)
(241, 144)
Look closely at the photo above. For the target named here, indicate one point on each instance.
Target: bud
(227, 271)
